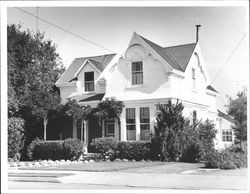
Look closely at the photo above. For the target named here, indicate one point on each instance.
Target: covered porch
(91, 127)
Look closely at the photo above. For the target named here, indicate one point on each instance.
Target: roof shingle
(176, 56)
(100, 62)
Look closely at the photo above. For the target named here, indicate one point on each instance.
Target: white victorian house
(147, 74)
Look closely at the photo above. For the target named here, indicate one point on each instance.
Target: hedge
(68, 149)
(134, 150)
(15, 137)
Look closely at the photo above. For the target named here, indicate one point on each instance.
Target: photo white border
(6, 4)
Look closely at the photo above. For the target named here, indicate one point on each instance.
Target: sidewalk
(161, 181)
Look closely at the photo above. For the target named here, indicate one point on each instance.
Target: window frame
(109, 122)
(86, 89)
(193, 78)
(129, 124)
(137, 75)
(143, 123)
(227, 135)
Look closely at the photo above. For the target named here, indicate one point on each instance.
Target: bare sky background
(221, 30)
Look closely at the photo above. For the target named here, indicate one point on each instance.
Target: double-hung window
(145, 123)
(227, 135)
(89, 81)
(130, 123)
(193, 77)
(137, 73)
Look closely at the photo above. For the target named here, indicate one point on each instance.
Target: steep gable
(176, 56)
(100, 62)
(181, 54)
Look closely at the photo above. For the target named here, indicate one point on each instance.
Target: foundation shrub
(107, 146)
(133, 150)
(72, 148)
(68, 149)
(232, 157)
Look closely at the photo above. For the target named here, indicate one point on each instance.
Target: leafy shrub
(31, 147)
(212, 159)
(232, 157)
(54, 150)
(106, 146)
(137, 150)
(199, 141)
(15, 137)
(72, 148)
(45, 150)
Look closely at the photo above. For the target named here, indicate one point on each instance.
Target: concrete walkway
(161, 181)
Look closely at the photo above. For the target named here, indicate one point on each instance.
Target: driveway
(167, 176)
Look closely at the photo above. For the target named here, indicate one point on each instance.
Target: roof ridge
(94, 60)
(94, 56)
(179, 45)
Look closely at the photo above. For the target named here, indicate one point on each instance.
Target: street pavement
(132, 179)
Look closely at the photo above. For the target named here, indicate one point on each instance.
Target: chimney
(197, 32)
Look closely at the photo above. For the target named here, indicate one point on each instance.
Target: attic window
(193, 77)
(137, 73)
(89, 81)
(227, 135)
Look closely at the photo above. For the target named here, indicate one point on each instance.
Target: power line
(228, 58)
(72, 33)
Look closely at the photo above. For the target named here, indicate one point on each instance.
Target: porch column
(82, 126)
(116, 129)
(123, 126)
(74, 131)
(86, 135)
(85, 122)
(137, 123)
(103, 128)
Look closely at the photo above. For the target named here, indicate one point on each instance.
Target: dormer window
(193, 77)
(137, 73)
(89, 81)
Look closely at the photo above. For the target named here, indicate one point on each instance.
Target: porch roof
(96, 97)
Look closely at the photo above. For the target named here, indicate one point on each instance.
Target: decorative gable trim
(148, 47)
(87, 61)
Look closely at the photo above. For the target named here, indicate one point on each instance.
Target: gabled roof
(176, 56)
(212, 89)
(93, 98)
(100, 62)
(225, 116)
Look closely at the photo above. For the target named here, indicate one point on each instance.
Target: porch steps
(88, 156)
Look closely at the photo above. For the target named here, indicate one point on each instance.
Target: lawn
(101, 166)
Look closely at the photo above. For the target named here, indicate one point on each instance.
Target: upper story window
(89, 81)
(193, 77)
(137, 73)
(227, 135)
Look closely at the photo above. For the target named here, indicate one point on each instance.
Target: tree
(33, 68)
(237, 108)
(168, 136)
(109, 108)
(76, 111)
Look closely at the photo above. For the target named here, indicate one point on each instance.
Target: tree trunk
(45, 122)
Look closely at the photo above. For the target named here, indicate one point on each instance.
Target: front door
(110, 128)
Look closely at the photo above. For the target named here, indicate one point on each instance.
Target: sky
(112, 27)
